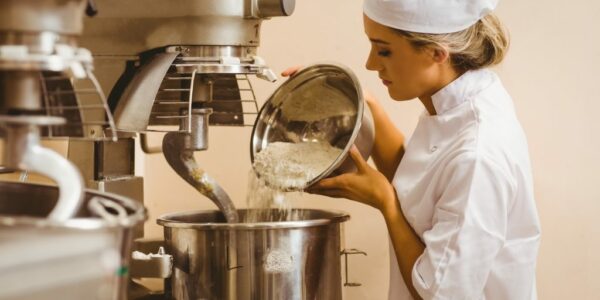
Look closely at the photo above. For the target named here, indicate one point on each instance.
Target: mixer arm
(24, 152)
(177, 151)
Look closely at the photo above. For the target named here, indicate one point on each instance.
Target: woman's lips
(386, 82)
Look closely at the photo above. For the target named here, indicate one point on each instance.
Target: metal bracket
(347, 252)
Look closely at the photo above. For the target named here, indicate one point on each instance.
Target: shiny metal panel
(60, 16)
(198, 124)
(294, 260)
(125, 28)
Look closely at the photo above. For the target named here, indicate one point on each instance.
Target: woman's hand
(366, 185)
(291, 71)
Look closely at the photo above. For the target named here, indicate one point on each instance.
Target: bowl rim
(167, 221)
(139, 214)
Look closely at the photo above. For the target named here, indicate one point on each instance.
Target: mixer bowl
(294, 260)
(86, 257)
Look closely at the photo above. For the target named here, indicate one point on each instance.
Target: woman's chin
(401, 97)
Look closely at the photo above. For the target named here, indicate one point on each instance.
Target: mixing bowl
(321, 103)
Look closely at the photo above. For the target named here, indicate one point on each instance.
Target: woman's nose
(372, 63)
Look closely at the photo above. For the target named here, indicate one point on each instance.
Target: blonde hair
(483, 44)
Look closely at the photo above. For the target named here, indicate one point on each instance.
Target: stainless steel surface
(24, 152)
(132, 112)
(197, 123)
(128, 28)
(41, 67)
(176, 59)
(103, 160)
(85, 257)
(113, 159)
(350, 124)
(260, 261)
(60, 16)
(20, 91)
(275, 8)
(179, 154)
(171, 81)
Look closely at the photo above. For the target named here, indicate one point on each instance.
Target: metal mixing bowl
(86, 257)
(297, 259)
(346, 121)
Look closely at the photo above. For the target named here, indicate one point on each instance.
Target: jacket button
(433, 149)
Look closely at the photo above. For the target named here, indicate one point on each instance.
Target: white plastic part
(24, 152)
(264, 72)
(10, 52)
(229, 60)
(70, 184)
(99, 207)
(151, 265)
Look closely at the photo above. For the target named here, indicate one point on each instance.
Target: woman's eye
(383, 53)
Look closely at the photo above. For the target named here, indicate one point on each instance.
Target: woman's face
(407, 72)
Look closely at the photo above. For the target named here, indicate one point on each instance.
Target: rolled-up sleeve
(468, 229)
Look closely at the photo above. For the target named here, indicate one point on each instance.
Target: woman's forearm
(407, 244)
(388, 147)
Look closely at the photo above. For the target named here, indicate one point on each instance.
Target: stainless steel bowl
(341, 119)
(215, 260)
(86, 257)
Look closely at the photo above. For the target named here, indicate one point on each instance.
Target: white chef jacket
(465, 187)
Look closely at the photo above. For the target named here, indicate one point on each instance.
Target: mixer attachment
(180, 156)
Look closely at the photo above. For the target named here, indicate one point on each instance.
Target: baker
(458, 197)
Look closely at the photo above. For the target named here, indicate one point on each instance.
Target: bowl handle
(345, 253)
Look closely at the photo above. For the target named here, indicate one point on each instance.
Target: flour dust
(283, 167)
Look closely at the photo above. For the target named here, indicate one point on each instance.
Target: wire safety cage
(233, 101)
(81, 102)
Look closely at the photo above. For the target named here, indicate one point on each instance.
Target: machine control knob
(275, 8)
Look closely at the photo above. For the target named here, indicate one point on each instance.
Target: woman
(458, 199)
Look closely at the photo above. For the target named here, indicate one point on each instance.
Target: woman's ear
(440, 55)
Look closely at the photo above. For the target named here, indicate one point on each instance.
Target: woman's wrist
(388, 201)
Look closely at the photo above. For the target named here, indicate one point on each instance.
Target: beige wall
(551, 72)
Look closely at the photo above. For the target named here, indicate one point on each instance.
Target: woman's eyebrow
(378, 41)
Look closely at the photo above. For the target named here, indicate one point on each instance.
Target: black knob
(91, 9)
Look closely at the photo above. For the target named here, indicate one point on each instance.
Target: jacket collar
(459, 90)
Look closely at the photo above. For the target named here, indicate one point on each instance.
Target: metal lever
(347, 252)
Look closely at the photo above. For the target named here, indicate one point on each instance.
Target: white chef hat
(428, 16)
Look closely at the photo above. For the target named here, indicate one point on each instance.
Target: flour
(317, 104)
(291, 166)
(282, 167)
